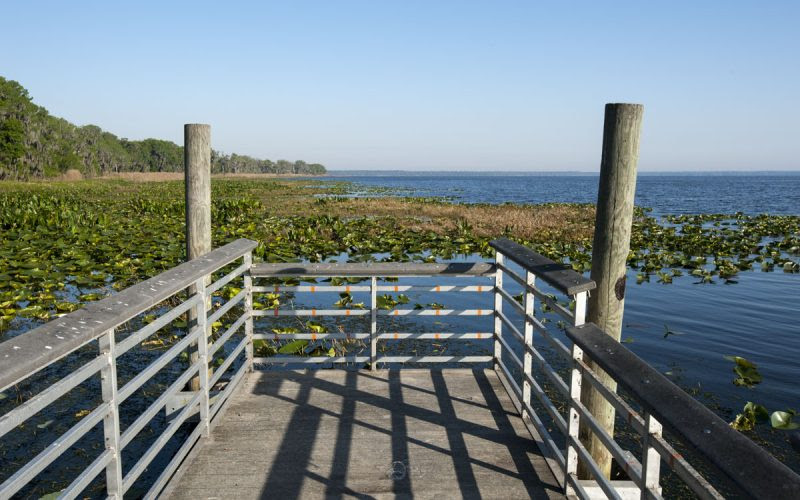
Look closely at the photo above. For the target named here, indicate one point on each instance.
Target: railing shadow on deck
(522, 348)
(291, 464)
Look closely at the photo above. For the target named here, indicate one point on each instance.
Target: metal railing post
(651, 460)
(373, 329)
(498, 308)
(574, 419)
(530, 279)
(202, 328)
(111, 431)
(248, 309)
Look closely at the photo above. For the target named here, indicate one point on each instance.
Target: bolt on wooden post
(197, 174)
(612, 236)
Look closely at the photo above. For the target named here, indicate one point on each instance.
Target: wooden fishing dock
(239, 406)
(501, 425)
(355, 433)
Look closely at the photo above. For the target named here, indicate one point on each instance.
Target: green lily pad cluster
(747, 375)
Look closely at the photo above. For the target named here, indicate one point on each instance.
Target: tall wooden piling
(612, 236)
(197, 174)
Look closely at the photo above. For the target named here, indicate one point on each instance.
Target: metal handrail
(371, 272)
(30, 352)
(732, 453)
(26, 354)
(663, 402)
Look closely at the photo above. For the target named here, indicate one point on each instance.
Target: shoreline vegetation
(67, 243)
(36, 145)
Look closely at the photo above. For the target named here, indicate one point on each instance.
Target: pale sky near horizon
(424, 85)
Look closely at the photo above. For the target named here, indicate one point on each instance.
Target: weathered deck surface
(357, 434)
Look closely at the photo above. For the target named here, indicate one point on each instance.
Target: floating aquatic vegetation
(67, 244)
(784, 420)
(746, 371)
(752, 413)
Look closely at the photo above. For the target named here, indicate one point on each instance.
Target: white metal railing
(531, 374)
(532, 378)
(729, 452)
(28, 354)
(372, 273)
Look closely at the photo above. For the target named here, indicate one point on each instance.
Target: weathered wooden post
(612, 237)
(197, 173)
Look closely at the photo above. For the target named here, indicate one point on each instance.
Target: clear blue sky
(424, 84)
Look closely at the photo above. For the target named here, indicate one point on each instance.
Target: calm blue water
(666, 194)
(758, 318)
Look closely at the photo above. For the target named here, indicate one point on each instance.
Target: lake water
(666, 194)
(758, 318)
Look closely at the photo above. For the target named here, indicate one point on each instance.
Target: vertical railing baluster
(248, 310)
(498, 308)
(527, 362)
(201, 327)
(574, 420)
(651, 460)
(111, 431)
(373, 328)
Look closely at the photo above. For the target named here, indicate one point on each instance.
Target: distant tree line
(35, 144)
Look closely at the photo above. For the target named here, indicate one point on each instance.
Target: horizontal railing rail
(745, 463)
(371, 269)
(559, 276)
(661, 401)
(371, 272)
(530, 356)
(24, 355)
(29, 353)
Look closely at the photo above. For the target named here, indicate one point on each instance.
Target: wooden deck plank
(387, 434)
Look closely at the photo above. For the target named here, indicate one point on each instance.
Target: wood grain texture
(610, 248)
(386, 434)
(197, 172)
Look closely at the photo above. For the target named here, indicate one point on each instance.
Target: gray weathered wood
(386, 434)
(197, 172)
(751, 467)
(559, 276)
(380, 269)
(25, 354)
(610, 248)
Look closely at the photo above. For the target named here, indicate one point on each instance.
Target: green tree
(12, 143)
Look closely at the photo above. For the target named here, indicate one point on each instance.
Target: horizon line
(589, 172)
